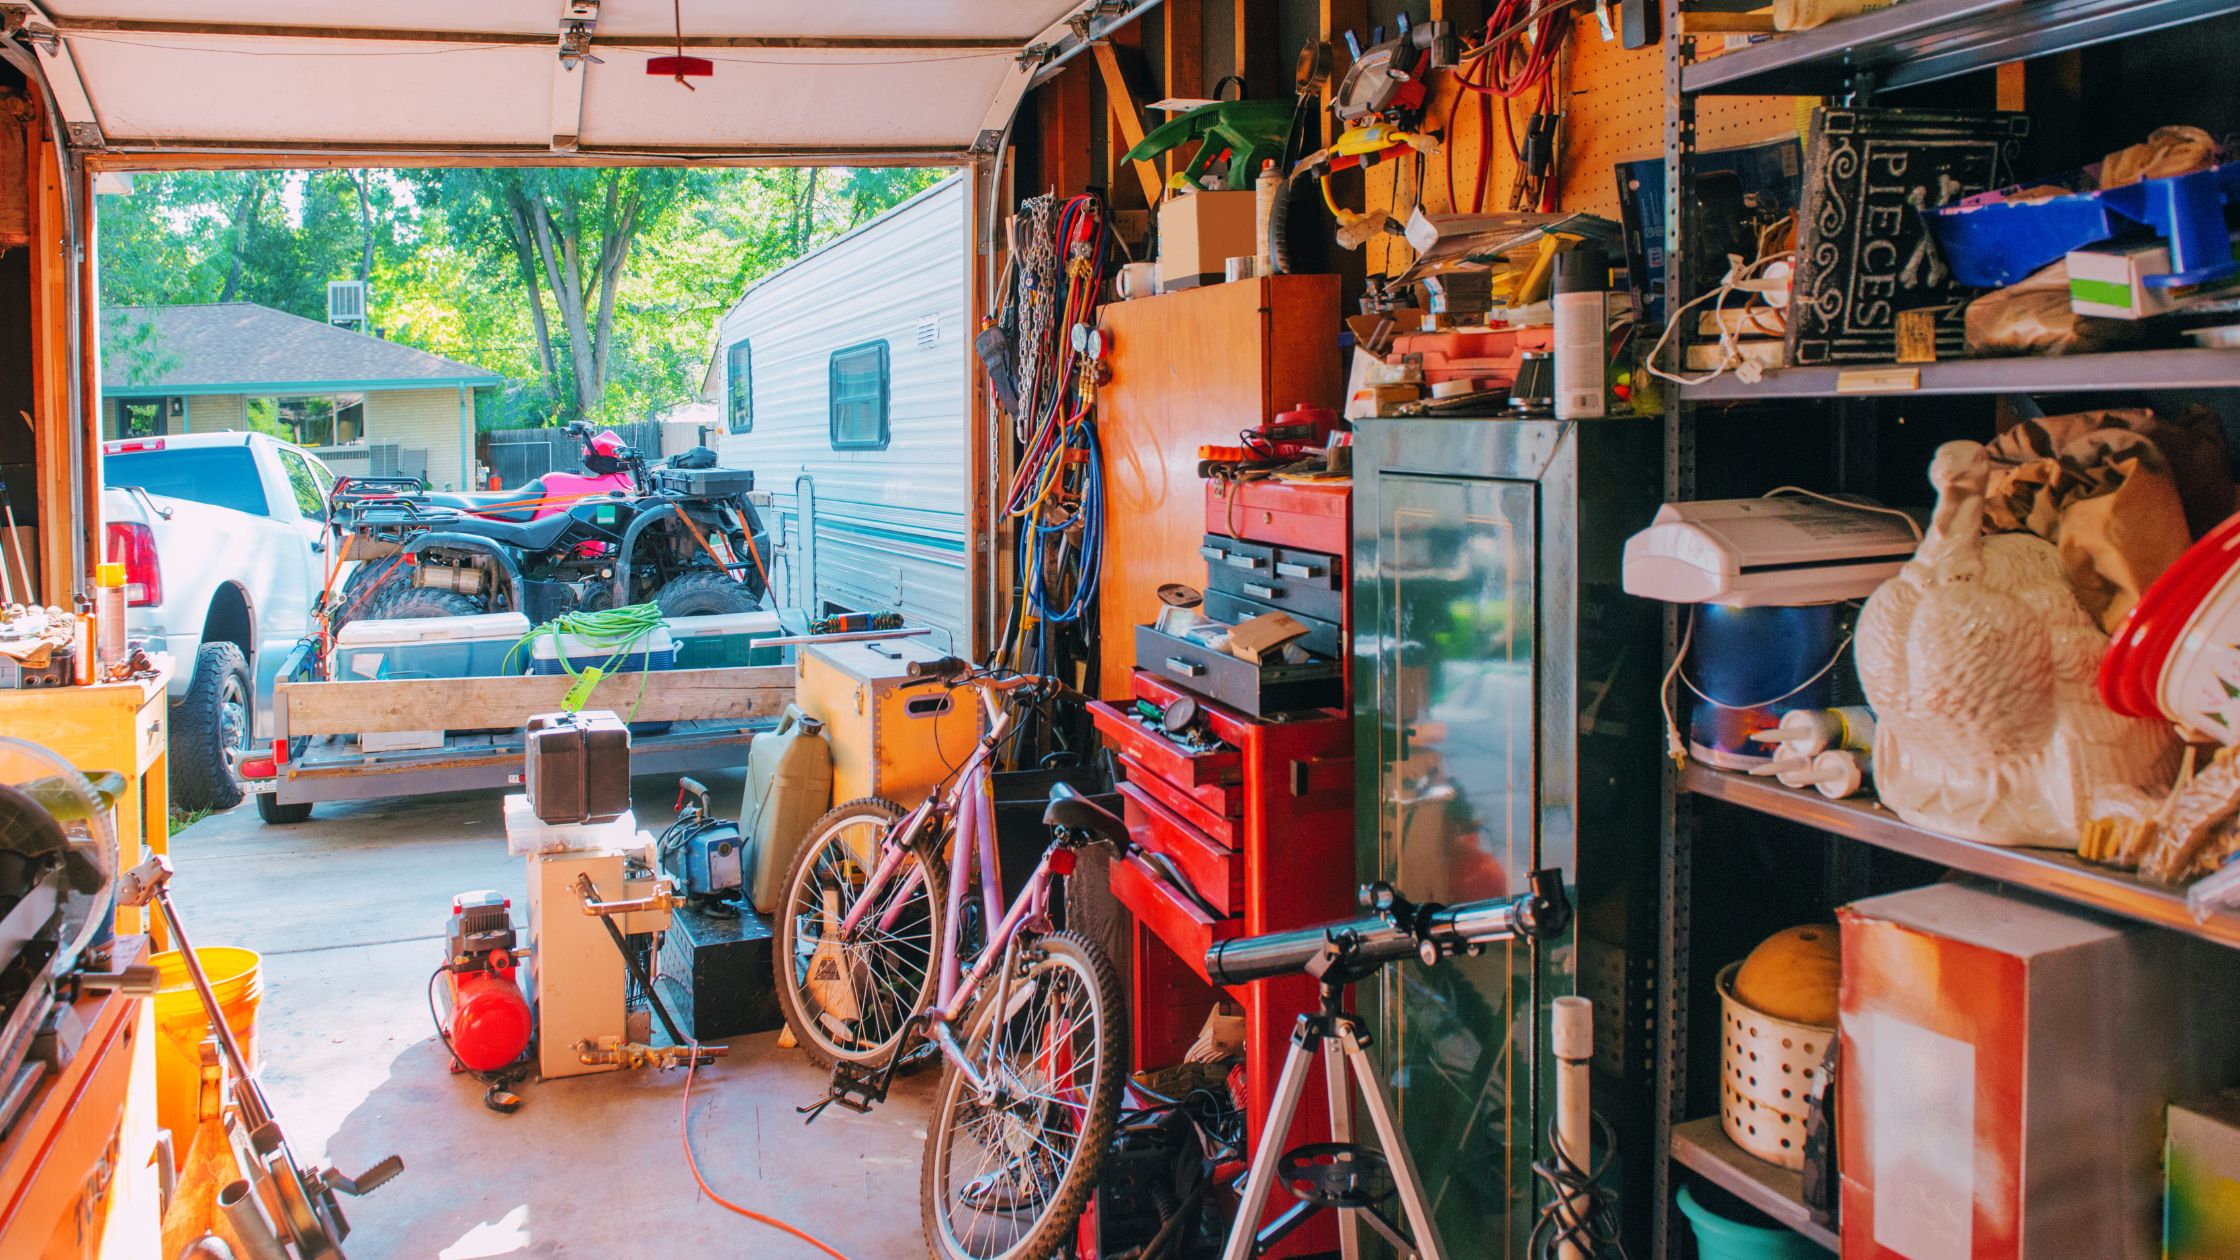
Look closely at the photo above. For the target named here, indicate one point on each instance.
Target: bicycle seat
(1071, 811)
(533, 535)
(516, 504)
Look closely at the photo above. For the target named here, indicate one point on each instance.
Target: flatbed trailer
(700, 719)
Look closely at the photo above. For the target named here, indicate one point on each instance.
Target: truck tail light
(133, 545)
(131, 444)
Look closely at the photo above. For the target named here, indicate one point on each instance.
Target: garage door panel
(201, 88)
(779, 98)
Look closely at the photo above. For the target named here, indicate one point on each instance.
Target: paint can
(1747, 667)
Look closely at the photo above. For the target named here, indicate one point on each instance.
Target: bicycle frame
(969, 805)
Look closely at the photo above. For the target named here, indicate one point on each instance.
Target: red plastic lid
(2131, 672)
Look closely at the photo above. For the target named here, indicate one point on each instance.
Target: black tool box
(715, 973)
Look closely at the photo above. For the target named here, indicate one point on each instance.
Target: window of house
(303, 484)
(859, 397)
(323, 421)
(147, 417)
(738, 375)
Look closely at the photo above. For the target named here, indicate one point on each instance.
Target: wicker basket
(1767, 1069)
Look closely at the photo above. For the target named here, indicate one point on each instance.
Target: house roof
(244, 348)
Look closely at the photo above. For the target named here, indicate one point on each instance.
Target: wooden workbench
(112, 726)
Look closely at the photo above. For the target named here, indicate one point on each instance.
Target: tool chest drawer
(1317, 516)
(1325, 639)
(1169, 915)
(1258, 690)
(1303, 583)
(1212, 810)
(1219, 768)
(1214, 871)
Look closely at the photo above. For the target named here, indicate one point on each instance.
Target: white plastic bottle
(1582, 333)
(1265, 190)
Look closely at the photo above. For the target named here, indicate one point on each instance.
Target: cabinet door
(1453, 602)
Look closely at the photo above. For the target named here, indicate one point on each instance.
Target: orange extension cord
(684, 1135)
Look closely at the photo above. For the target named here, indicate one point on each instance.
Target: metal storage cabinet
(1506, 719)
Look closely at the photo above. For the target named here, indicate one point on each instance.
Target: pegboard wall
(1614, 112)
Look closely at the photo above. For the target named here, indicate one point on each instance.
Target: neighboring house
(365, 405)
(842, 379)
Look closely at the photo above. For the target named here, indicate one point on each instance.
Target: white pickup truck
(223, 539)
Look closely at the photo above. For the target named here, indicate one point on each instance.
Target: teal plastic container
(1718, 1238)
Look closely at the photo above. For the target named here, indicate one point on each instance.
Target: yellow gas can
(888, 740)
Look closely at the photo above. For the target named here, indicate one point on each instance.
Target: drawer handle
(1187, 669)
(1212, 553)
(1284, 569)
(1241, 562)
(1262, 590)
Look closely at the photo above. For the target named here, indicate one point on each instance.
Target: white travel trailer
(840, 379)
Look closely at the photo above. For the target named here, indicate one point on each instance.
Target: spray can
(1265, 190)
(108, 616)
(1582, 332)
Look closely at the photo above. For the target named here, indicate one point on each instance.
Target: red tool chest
(1261, 831)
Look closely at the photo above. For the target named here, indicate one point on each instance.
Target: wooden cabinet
(114, 726)
(1191, 369)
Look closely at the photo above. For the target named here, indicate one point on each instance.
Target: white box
(2110, 281)
(578, 982)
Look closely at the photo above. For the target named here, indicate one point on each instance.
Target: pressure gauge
(1088, 340)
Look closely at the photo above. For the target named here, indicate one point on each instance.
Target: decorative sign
(1864, 253)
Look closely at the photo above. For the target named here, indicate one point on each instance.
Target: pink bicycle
(877, 942)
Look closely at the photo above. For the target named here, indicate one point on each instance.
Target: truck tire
(420, 601)
(210, 728)
(272, 811)
(704, 592)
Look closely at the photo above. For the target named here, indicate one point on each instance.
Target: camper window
(859, 397)
(738, 370)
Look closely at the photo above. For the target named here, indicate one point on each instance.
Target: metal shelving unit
(1920, 41)
(2048, 871)
(1704, 1147)
(2066, 374)
(1911, 42)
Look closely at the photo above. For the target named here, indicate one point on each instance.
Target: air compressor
(485, 1023)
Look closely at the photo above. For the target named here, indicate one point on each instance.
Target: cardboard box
(2006, 1066)
(2110, 281)
(1199, 233)
(2201, 1206)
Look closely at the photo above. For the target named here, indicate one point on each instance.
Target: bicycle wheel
(1007, 1173)
(850, 999)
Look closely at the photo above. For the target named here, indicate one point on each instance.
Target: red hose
(684, 1135)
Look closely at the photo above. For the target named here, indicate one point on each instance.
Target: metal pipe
(250, 1228)
(1572, 1040)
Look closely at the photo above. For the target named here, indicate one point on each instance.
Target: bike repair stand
(1341, 1175)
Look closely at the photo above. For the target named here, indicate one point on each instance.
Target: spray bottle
(1265, 190)
(1582, 332)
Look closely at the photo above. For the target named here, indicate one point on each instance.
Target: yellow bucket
(236, 980)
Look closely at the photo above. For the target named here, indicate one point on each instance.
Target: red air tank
(488, 1026)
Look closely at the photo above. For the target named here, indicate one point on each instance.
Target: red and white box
(2006, 1064)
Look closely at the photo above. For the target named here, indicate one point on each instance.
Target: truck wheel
(210, 729)
(271, 810)
(422, 601)
(703, 593)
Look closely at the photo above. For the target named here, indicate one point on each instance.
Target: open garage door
(866, 80)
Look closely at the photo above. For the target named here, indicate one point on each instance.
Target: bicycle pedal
(855, 1087)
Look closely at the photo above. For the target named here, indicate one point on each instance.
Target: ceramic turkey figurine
(1980, 662)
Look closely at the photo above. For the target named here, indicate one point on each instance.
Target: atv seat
(534, 535)
(516, 504)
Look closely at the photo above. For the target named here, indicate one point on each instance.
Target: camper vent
(929, 332)
(346, 301)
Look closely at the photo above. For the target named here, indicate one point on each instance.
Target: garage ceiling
(870, 79)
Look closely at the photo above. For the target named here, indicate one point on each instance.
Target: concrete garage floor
(348, 911)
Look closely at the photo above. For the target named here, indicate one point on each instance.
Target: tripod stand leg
(1254, 1201)
(1412, 1201)
(1341, 1130)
